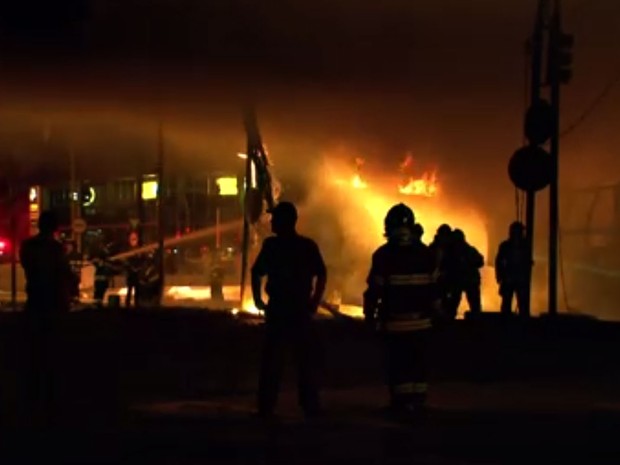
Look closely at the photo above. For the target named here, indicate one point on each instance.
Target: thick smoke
(347, 222)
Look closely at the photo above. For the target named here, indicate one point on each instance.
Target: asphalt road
(176, 387)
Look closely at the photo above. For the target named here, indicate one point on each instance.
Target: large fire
(347, 221)
(425, 185)
(345, 213)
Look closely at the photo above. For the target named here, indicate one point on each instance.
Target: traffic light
(564, 60)
(560, 64)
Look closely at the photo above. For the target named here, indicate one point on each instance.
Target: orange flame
(425, 186)
(358, 183)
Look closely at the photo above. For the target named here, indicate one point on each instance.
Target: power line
(589, 109)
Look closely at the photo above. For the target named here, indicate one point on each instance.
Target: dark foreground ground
(176, 387)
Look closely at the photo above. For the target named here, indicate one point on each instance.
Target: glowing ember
(247, 307)
(188, 293)
(353, 311)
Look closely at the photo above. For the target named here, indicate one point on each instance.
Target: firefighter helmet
(399, 216)
(444, 229)
(418, 230)
(458, 236)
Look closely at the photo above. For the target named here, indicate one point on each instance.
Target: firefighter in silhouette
(150, 280)
(418, 231)
(76, 262)
(216, 276)
(133, 264)
(400, 300)
(441, 247)
(104, 271)
(512, 268)
(296, 279)
(49, 282)
(464, 265)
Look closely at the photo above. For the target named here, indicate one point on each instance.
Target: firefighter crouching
(441, 249)
(400, 299)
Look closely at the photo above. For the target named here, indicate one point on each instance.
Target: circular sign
(78, 226)
(530, 168)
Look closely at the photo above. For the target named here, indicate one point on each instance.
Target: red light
(3, 245)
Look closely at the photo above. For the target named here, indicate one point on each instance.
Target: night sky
(442, 78)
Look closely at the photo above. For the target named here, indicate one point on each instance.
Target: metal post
(218, 238)
(14, 205)
(246, 224)
(555, 146)
(160, 203)
(530, 207)
(73, 191)
(140, 207)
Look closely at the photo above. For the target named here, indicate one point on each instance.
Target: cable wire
(590, 108)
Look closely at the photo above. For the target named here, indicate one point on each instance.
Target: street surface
(177, 386)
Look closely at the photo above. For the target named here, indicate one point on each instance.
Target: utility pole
(530, 199)
(559, 72)
(555, 148)
(532, 168)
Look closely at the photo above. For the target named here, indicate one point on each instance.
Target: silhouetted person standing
(464, 271)
(133, 265)
(216, 276)
(49, 281)
(150, 281)
(49, 277)
(418, 231)
(103, 274)
(441, 247)
(401, 298)
(76, 262)
(512, 268)
(296, 279)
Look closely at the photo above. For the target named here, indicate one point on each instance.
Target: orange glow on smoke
(360, 212)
